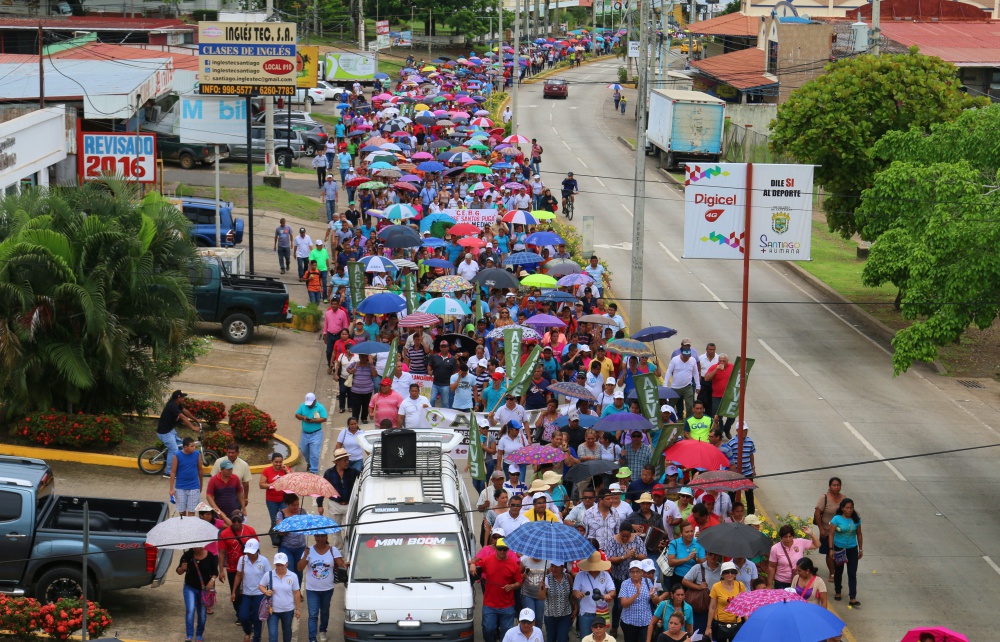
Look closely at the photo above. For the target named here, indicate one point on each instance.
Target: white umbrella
(378, 264)
(180, 533)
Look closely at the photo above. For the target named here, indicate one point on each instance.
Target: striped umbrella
(399, 212)
(629, 348)
(419, 319)
(376, 263)
(520, 217)
(573, 390)
(516, 139)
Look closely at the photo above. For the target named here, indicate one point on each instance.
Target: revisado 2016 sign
(132, 156)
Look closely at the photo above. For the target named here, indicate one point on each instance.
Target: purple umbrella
(568, 389)
(575, 279)
(411, 178)
(626, 421)
(544, 321)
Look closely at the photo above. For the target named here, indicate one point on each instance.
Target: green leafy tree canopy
(934, 210)
(832, 121)
(95, 311)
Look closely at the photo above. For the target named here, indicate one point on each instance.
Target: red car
(556, 88)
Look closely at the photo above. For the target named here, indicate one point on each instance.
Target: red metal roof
(923, 10)
(86, 23)
(740, 69)
(966, 44)
(733, 24)
(99, 51)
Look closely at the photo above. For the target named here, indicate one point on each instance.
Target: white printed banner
(479, 218)
(781, 212)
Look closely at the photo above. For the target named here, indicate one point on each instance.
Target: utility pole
(41, 67)
(515, 71)
(270, 167)
(500, 44)
(361, 25)
(876, 20)
(639, 201)
(430, 30)
(691, 33)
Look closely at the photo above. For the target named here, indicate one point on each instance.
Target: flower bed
(217, 440)
(60, 429)
(209, 413)
(250, 423)
(24, 617)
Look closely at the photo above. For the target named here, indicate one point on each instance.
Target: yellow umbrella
(543, 215)
(539, 281)
(429, 68)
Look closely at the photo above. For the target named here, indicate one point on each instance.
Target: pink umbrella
(459, 114)
(418, 319)
(940, 634)
(423, 156)
(384, 96)
(439, 113)
(746, 603)
(544, 320)
(465, 100)
(481, 122)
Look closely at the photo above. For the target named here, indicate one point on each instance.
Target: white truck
(409, 541)
(684, 126)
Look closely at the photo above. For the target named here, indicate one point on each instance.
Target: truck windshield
(433, 557)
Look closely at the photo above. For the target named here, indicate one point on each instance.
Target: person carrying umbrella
(321, 559)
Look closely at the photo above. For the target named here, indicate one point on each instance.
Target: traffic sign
(247, 59)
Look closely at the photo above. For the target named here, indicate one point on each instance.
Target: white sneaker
(322, 637)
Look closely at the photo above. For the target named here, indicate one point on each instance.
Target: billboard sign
(306, 67)
(212, 120)
(715, 212)
(247, 59)
(132, 156)
(350, 66)
(479, 218)
(401, 38)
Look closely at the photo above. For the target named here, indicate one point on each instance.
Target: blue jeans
(442, 392)
(557, 628)
(310, 444)
(323, 274)
(536, 166)
(357, 464)
(315, 297)
(169, 440)
(294, 555)
(284, 258)
(504, 618)
(272, 510)
(319, 609)
(303, 264)
(285, 618)
(329, 159)
(535, 604)
(331, 210)
(343, 175)
(586, 619)
(192, 605)
(251, 623)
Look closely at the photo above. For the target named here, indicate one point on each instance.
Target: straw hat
(538, 486)
(551, 477)
(594, 563)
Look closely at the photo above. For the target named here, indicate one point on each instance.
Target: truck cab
(409, 543)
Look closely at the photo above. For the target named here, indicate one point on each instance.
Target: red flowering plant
(60, 429)
(250, 423)
(63, 618)
(217, 440)
(20, 615)
(209, 413)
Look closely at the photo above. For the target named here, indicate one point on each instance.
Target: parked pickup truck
(201, 213)
(239, 303)
(170, 148)
(42, 535)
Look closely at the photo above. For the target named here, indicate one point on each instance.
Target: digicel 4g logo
(713, 215)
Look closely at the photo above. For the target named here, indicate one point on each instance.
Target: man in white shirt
(507, 115)
(413, 410)
(303, 246)
(512, 519)
(468, 268)
(510, 410)
(595, 378)
(525, 631)
(401, 381)
(487, 500)
(521, 199)
(682, 377)
(706, 361)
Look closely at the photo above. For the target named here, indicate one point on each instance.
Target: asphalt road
(821, 392)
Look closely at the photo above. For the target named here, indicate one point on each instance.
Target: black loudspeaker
(399, 450)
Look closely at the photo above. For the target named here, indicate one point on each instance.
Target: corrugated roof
(66, 79)
(150, 59)
(86, 23)
(740, 69)
(968, 44)
(733, 24)
(925, 11)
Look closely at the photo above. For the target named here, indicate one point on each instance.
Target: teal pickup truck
(42, 535)
(239, 303)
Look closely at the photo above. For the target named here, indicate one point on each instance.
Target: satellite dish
(784, 9)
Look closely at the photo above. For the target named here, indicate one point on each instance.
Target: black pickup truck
(42, 535)
(170, 148)
(239, 303)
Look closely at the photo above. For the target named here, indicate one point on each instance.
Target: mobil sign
(714, 211)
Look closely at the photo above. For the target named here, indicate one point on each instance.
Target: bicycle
(568, 207)
(153, 460)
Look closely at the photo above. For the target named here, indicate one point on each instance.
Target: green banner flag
(356, 278)
(648, 393)
(522, 377)
(730, 404)
(477, 456)
(478, 303)
(668, 436)
(410, 292)
(390, 362)
(512, 349)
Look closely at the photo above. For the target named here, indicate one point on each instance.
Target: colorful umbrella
(304, 484)
(419, 319)
(538, 281)
(179, 533)
(615, 86)
(528, 333)
(747, 602)
(629, 347)
(449, 283)
(535, 455)
(444, 306)
(399, 212)
(722, 480)
(691, 453)
(380, 264)
(307, 525)
(790, 621)
(572, 280)
(372, 185)
(574, 390)
(939, 633)
(552, 541)
(516, 139)
(520, 217)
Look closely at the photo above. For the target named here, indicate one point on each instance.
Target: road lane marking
(581, 162)
(671, 255)
(778, 357)
(876, 453)
(712, 294)
(626, 209)
(567, 145)
(992, 564)
(601, 182)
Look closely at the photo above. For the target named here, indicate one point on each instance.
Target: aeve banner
(781, 212)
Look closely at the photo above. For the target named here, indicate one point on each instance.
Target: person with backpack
(251, 569)
(283, 588)
(623, 103)
(536, 156)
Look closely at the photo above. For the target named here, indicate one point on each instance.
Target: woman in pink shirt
(385, 403)
(786, 554)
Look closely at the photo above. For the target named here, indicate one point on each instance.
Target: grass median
(264, 198)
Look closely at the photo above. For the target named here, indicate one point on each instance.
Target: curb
(46, 636)
(626, 143)
(118, 461)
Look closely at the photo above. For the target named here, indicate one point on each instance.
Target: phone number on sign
(247, 90)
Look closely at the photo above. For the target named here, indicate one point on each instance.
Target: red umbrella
(722, 480)
(419, 319)
(354, 182)
(406, 187)
(472, 241)
(463, 229)
(691, 453)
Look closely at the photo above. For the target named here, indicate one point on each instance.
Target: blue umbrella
(381, 76)
(543, 238)
(429, 220)
(552, 541)
(308, 525)
(430, 166)
(586, 421)
(371, 148)
(438, 263)
(357, 132)
(666, 394)
(654, 333)
(433, 241)
(558, 296)
(343, 106)
(382, 304)
(627, 421)
(376, 263)
(370, 347)
(785, 621)
(522, 258)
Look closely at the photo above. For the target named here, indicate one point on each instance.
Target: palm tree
(95, 298)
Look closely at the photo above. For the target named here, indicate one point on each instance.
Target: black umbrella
(456, 342)
(666, 394)
(398, 230)
(496, 278)
(426, 120)
(439, 144)
(731, 539)
(401, 241)
(563, 268)
(654, 333)
(592, 468)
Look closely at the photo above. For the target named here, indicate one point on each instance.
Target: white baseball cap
(514, 468)
(526, 615)
(310, 399)
(584, 347)
(611, 380)
(647, 565)
(619, 394)
(280, 558)
(252, 546)
(498, 532)
(635, 564)
(615, 488)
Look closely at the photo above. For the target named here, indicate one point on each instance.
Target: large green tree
(934, 210)
(833, 120)
(95, 310)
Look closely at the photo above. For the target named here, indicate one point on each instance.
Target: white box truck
(409, 539)
(684, 126)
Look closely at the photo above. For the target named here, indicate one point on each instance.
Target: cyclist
(569, 188)
(166, 427)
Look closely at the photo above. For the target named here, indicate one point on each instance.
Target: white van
(409, 541)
